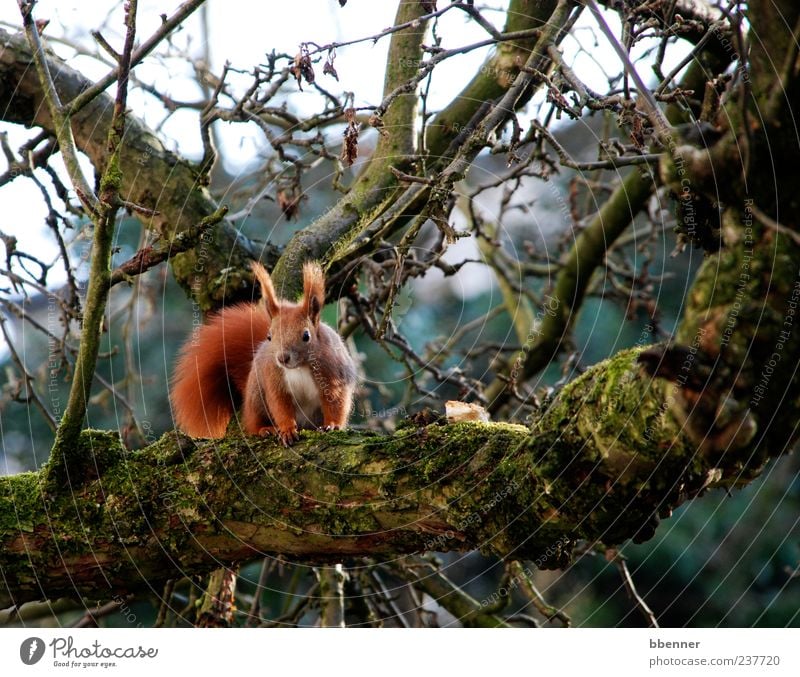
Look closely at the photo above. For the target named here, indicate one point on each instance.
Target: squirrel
(277, 359)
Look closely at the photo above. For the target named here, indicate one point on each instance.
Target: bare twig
(771, 223)
(614, 556)
(57, 111)
(29, 380)
(164, 607)
(662, 126)
(169, 25)
(331, 593)
(149, 257)
(267, 565)
(426, 576)
(532, 593)
(90, 618)
(104, 217)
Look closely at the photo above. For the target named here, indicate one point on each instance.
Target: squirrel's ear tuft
(313, 290)
(268, 299)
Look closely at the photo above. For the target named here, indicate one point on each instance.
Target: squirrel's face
(294, 327)
(292, 337)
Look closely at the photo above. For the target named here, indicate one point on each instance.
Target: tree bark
(152, 176)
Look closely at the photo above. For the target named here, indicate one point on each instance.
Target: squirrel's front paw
(331, 426)
(288, 436)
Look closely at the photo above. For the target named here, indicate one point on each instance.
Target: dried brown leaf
(288, 199)
(350, 146)
(638, 133)
(302, 68)
(328, 68)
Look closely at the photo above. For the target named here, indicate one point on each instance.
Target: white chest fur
(304, 391)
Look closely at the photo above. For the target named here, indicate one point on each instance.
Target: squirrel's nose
(284, 358)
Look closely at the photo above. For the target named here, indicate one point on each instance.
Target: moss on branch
(602, 461)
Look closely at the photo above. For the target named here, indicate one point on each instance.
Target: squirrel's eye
(306, 336)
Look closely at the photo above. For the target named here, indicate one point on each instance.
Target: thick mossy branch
(613, 452)
(182, 507)
(397, 140)
(152, 176)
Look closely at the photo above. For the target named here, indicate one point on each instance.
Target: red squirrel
(276, 358)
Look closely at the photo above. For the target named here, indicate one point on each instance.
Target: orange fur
(287, 368)
(269, 299)
(313, 290)
(212, 369)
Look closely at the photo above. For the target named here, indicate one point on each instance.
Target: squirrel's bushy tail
(211, 373)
